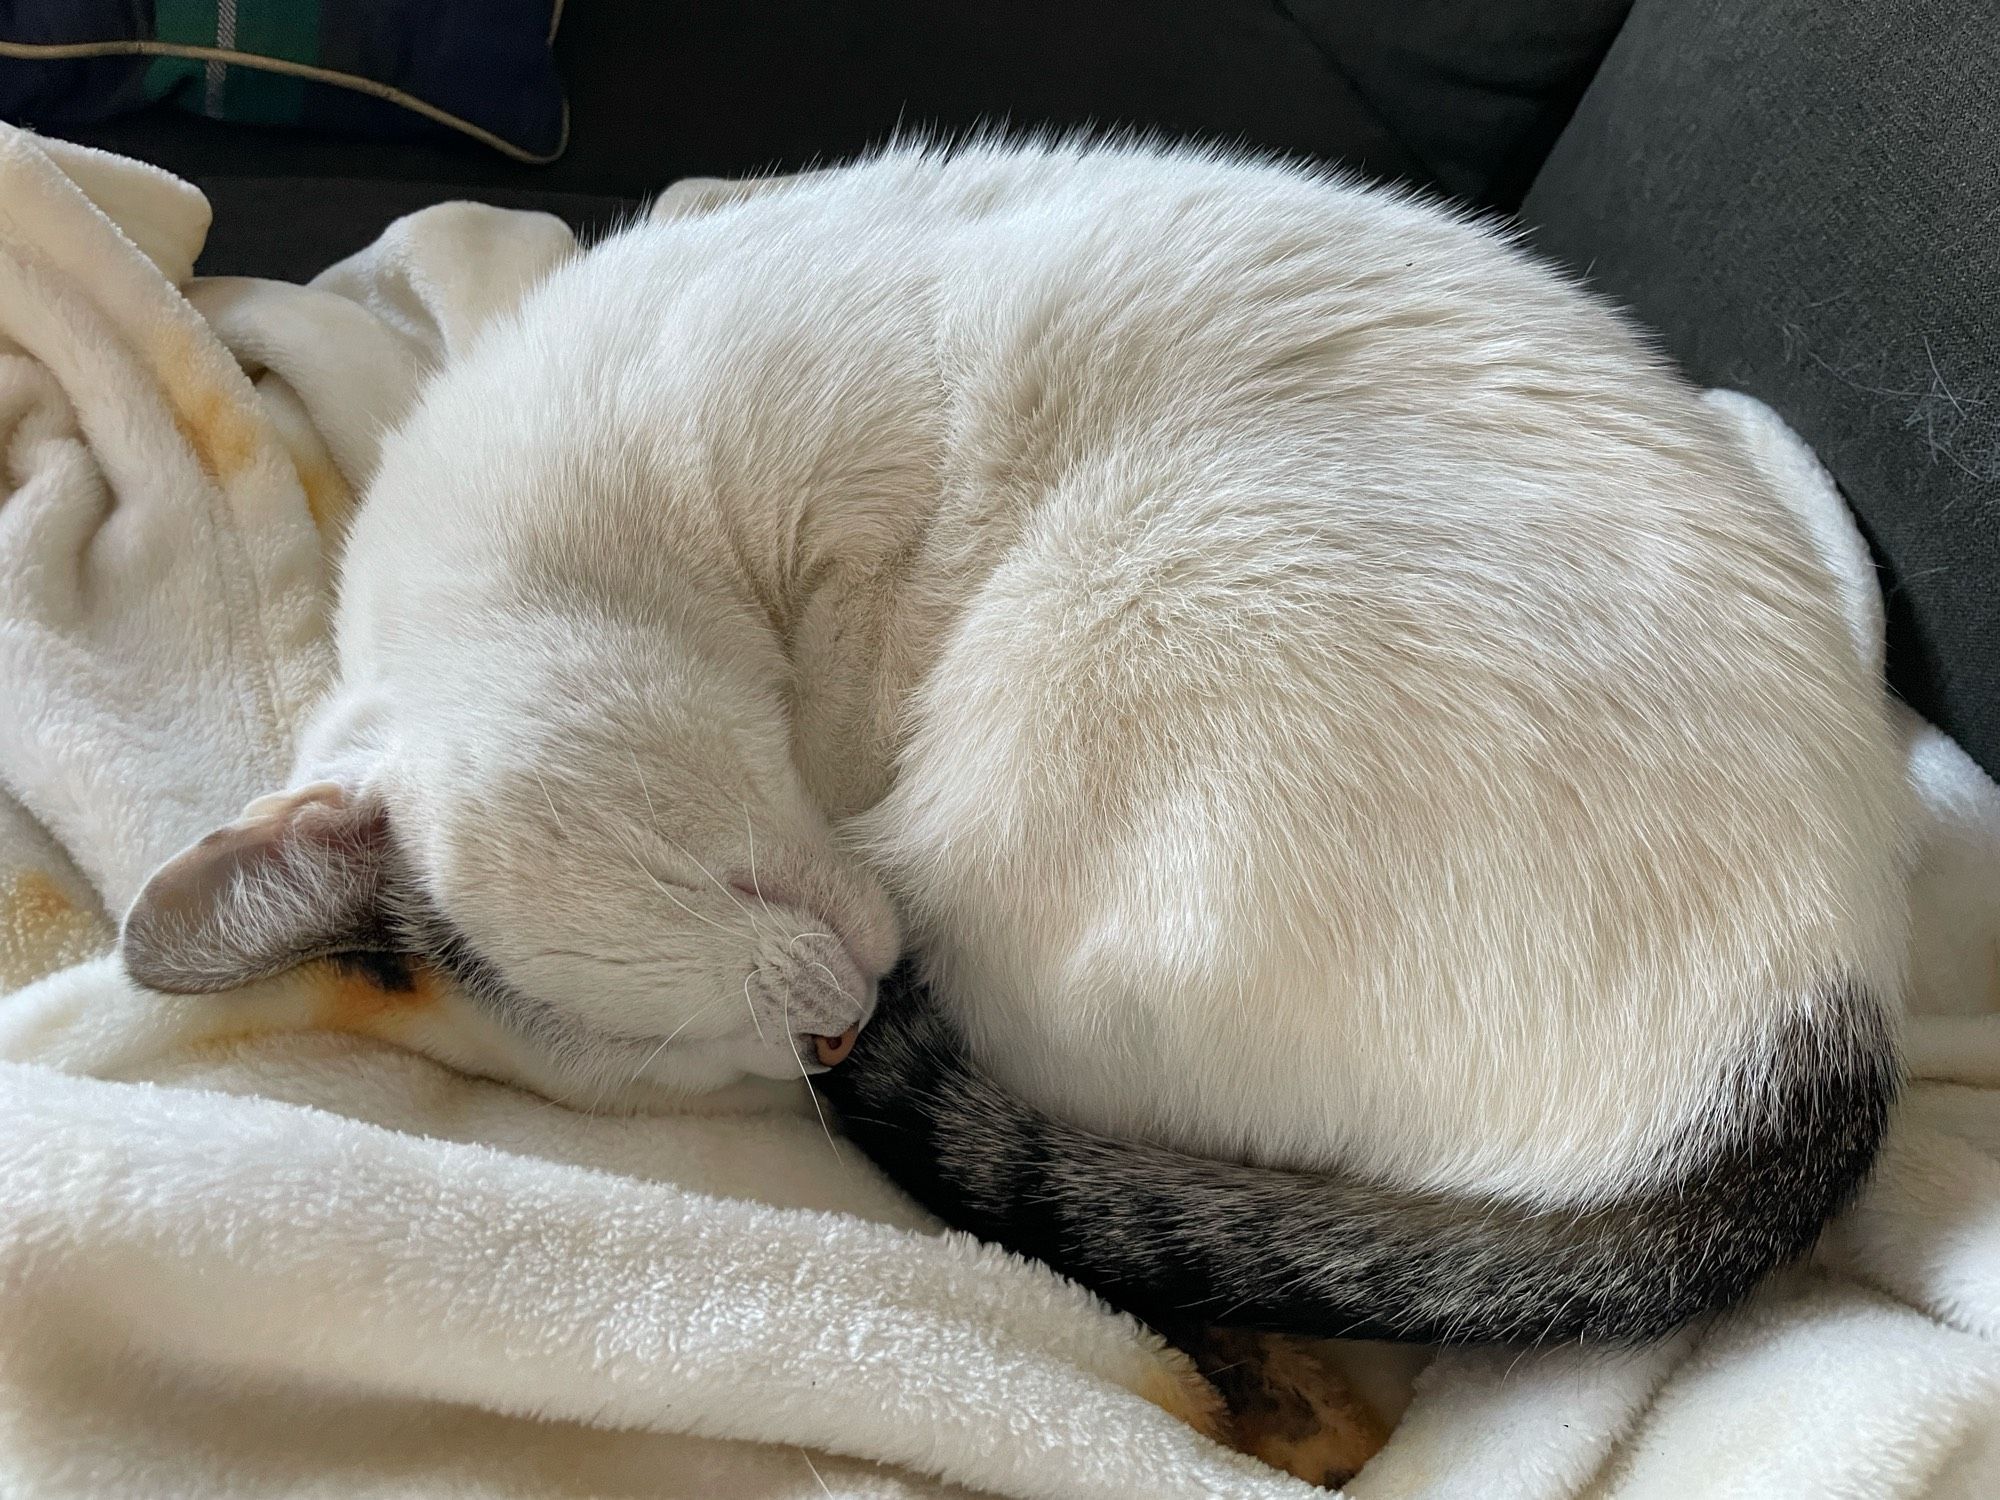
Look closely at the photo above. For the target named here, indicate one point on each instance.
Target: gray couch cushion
(1805, 200)
(1476, 91)
(1463, 95)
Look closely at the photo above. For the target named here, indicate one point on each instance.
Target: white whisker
(667, 890)
(757, 885)
(696, 1015)
(834, 978)
(604, 1079)
(652, 813)
(806, 1078)
(653, 821)
(815, 1468)
(560, 828)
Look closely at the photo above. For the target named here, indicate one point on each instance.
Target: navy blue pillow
(399, 69)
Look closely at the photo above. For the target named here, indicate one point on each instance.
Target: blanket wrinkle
(100, 566)
(314, 1239)
(351, 375)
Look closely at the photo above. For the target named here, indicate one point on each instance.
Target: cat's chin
(738, 1068)
(745, 1096)
(700, 1086)
(772, 1059)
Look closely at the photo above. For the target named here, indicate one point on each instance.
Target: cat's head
(630, 878)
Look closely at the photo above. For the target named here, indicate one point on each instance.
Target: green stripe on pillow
(399, 69)
(286, 29)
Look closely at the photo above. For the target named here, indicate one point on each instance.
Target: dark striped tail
(1173, 1238)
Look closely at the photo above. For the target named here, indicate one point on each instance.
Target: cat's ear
(297, 876)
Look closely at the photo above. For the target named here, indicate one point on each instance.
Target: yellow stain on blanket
(322, 996)
(222, 433)
(42, 930)
(328, 497)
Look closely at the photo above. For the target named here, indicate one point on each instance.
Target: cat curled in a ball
(1388, 828)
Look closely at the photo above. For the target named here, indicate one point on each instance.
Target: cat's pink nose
(831, 1050)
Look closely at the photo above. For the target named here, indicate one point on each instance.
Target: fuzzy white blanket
(266, 1244)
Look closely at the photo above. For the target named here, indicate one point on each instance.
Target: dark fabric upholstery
(1476, 91)
(1465, 95)
(1461, 96)
(1805, 200)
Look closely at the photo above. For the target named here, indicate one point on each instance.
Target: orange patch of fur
(1290, 1404)
(1180, 1391)
(42, 930)
(347, 1000)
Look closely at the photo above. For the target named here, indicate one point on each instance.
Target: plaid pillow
(392, 68)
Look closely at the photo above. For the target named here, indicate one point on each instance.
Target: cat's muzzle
(828, 1000)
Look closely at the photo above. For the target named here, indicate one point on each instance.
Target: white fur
(1311, 685)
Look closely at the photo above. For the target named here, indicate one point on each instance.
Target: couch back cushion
(1804, 199)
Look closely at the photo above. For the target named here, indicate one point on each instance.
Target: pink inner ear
(296, 876)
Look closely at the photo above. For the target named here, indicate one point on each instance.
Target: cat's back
(1288, 611)
(1362, 641)
(940, 338)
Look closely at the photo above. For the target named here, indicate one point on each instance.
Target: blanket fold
(311, 1238)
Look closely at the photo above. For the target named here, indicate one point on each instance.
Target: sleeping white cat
(1310, 689)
